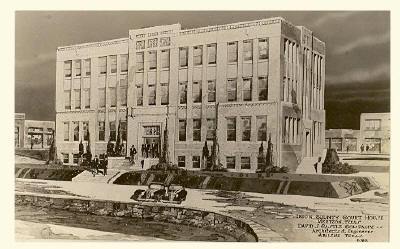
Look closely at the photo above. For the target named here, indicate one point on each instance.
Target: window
(88, 68)
(102, 97)
(372, 124)
(102, 131)
(66, 131)
(212, 53)
(183, 57)
(77, 98)
(232, 52)
(261, 128)
(139, 95)
(85, 126)
(113, 66)
(196, 92)
(336, 143)
(198, 55)
(113, 131)
(86, 97)
(65, 157)
(183, 92)
(247, 86)
(231, 91)
(164, 94)
(211, 91)
(211, 124)
(246, 128)
(76, 130)
(263, 49)
(230, 162)
(152, 60)
(122, 124)
(196, 162)
(67, 69)
(123, 95)
(245, 162)
(113, 96)
(75, 158)
(248, 50)
(262, 88)
(103, 65)
(374, 145)
(124, 63)
(196, 129)
(231, 129)
(67, 99)
(260, 162)
(139, 61)
(181, 161)
(152, 95)
(182, 130)
(78, 65)
(165, 58)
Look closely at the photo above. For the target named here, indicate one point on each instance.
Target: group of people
(116, 150)
(362, 148)
(150, 150)
(99, 165)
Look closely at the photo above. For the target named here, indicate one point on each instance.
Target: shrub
(338, 168)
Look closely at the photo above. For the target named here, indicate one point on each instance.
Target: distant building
(267, 76)
(373, 136)
(33, 134)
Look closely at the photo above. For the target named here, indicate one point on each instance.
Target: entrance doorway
(151, 142)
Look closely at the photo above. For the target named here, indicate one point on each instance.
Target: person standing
(134, 152)
(367, 148)
(153, 149)
(147, 150)
(142, 163)
(96, 164)
(105, 165)
(362, 148)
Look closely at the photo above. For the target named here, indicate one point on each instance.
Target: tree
(164, 153)
(261, 158)
(118, 142)
(270, 150)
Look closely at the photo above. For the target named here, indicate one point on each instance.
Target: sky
(357, 52)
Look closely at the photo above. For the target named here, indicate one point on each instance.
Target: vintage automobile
(159, 192)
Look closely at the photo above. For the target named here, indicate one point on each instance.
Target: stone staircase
(307, 164)
(86, 176)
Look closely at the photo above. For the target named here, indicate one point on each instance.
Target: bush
(338, 168)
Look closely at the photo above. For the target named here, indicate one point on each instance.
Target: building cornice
(93, 44)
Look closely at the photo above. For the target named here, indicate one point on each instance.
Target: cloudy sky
(357, 64)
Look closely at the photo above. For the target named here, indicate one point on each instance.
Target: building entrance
(151, 142)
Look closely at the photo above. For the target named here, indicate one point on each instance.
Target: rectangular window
(196, 92)
(77, 98)
(152, 60)
(113, 96)
(65, 157)
(102, 97)
(139, 61)
(164, 94)
(372, 124)
(66, 131)
(211, 91)
(231, 89)
(182, 130)
(75, 158)
(113, 64)
(245, 162)
(183, 92)
(261, 128)
(247, 87)
(183, 57)
(232, 51)
(212, 53)
(67, 99)
(196, 129)
(248, 50)
(230, 162)
(122, 124)
(124, 63)
(113, 131)
(152, 95)
(75, 126)
(88, 68)
(86, 97)
(85, 126)
(181, 161)
(374, 145)
(196, 162)
(246, 128)
(78, 65)
(67, 69)
(231, 129)
(103, 65)
(165, 58)
(102, 131)
(123, 95)
(263, 49)
(262, 88)
(211, 124)
(139, 95)
(198, 55)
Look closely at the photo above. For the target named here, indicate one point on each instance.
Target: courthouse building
(246, 81)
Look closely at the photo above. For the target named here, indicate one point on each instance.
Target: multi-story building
(244, 82)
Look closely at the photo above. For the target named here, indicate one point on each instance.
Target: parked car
(159, 192)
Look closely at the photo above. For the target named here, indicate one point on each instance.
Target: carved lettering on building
(165, 41)
(152, 43)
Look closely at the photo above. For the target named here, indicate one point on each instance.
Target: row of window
(291, 91)
(291, 130)
(101, 134)
(372, 124)
(102, 66)
(245, 122)
(230, 162)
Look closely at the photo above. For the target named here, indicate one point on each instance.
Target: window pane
(248, 50)
(263, 49)
(165, 59)
(196, 92)
(182, 130)
(246, 128)
(78, 68)
(65, 157)
(263, 88)
(77, 99)
(66, 131)
(102, 97)
(123, 95)
(88, 68)
(152, 59)
(113, 96)
(113, 66)
(101, 130)
(164, 94)
(152, 95)
(139, 61)
(86, 97)
(75, 126)
(139, 95)
(103, 65)
(198, 55)
(196, 162)
(113, 131)
(211, 91)
(85, 126)
(231, 129)
(181, 161)
(122, 123)
(67, 68)
(232, 52)
(211, 129)
(212, 53)
(67, 99)
(196, 129)
(231, 89)
(183, 57)
(245, 163)
(247, 86)
(124, 63)
(183, 92)
(230, 162)
(262, 128)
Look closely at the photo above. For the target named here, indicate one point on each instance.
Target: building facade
(243, 82)
(32, 134)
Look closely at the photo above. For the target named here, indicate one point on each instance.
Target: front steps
(86, 176)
